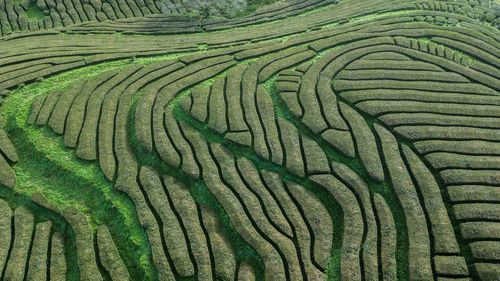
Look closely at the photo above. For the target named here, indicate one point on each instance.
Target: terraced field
(309, 140)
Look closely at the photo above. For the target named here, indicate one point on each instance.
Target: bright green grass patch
(34, 12)
(48, 167)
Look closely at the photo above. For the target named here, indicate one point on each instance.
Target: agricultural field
(299, 140)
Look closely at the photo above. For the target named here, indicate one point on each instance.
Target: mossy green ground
(47, 166)
(34, 12)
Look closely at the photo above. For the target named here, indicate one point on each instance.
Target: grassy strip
(47, 166)
(200, 194)
(67, 181)
(34, 12)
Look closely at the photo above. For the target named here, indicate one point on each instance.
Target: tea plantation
(306, 140)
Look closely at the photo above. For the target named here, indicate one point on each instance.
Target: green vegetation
(337, 140)
(34, 12)
(48, 167)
